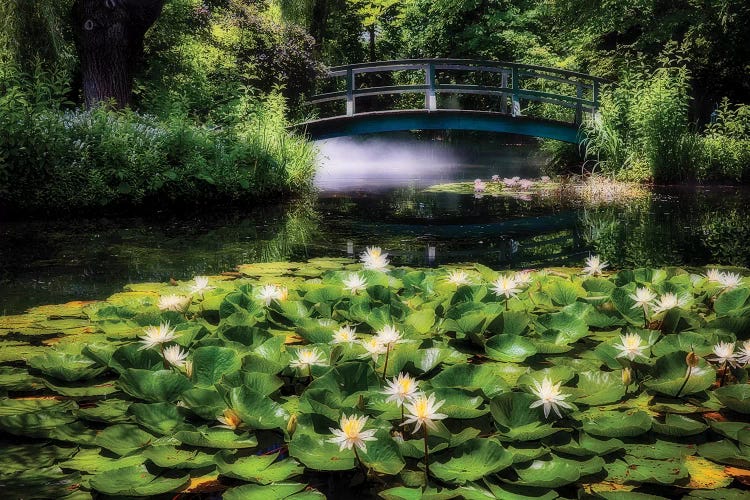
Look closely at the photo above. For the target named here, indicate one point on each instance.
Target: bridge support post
(430, 100)
(579, 106)
(516, 109)
(350, 103)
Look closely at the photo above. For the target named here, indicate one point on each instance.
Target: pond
(371, 192)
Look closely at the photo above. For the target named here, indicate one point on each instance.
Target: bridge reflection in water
(506, 97)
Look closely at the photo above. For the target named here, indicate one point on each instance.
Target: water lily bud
(398, 437)
(627, 376)
(361, 403)
(291, 426)
(189, 369)
(692, 359)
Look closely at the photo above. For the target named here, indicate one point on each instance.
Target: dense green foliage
(258, 374)
(209, 121)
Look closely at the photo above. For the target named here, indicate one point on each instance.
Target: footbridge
(459, 94)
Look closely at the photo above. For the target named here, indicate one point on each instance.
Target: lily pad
(736, 397)
(671, 372)
(137, 481)
(472, 460)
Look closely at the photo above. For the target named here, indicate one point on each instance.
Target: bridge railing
(513, 87)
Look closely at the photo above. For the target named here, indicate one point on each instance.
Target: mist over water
(383, 163)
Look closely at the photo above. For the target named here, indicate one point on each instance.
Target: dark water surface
(371, 194)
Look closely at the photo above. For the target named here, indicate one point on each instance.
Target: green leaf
(472, 378)
(123, 439)
(735, 397)
(732, 302)
(211, 363)
(671, 371)
(212, 437)
(678, 426)
(92, 461)
(159, 386)
(170, 457)
(549, 473)
(66, 367)
(516, 420)
(317, 453)
(161, 418)
(383, 455)
(256, 410)
(563, 292)
(509, 348)
(138, 481)
(472, 460)
(261, 469)
(275, 491)
(616, 423)
(599, 388)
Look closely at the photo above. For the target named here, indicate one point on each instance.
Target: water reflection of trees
(654, 232)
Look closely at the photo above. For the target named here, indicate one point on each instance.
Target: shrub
(725, 149)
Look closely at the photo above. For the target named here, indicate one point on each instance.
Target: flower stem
(385, 366)
(645, 318)
(724, 369)
(359, 461)
(506, 302)
(309, 374)
(687, 377)
(166, 364)
(402, 413)
(426, 457)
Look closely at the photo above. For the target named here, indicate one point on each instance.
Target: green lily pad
(137, 481)
(472, 378)
(261, 469)
(317, 453)
(66, 367)
(516, 420)
(509, 348)
(212, 437)
(170, 457)
(161, 418)
(275, 491)
(212, 362)
(549, 473)
(256, 410)
(678, 426)
(123, 439)
(599, 388)
(671, 372)
(617, 423)
(736, 397)
(159, 386)
(472, 460)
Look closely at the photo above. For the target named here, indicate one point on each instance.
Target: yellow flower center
(351, 428)
(405, 385)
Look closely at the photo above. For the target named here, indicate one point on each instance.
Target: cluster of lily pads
(295, 380)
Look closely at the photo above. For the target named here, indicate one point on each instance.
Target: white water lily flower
(175, 356)
(401, 388)
(306, 358)
(374, 348)
(388, 336)
(550, 396)
(669, 301)
(269, 293)
(374, 258)
(594, 265)
(344, 335)
(713, 275)
(157, 335)
(743, 356)
(724, 353)
(201, 285)
(176, 303)
(631, 346)
(229, 419)
(479, 185)
(526, 184)
(458, 278)
(523, 278)
(423, 410)
(509, 182)
(642, 297)
(730, 280)
(355, 283)
(351, 434)
(507, 286)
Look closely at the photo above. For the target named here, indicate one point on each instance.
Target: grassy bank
(54, 157)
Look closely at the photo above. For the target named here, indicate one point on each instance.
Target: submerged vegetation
(294, 379)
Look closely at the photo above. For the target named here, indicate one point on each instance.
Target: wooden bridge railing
(511, 89)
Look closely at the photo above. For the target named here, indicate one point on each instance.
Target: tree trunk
(110, 45)
(371, 31)
(319, 23)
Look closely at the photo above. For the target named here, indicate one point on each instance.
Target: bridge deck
(443, 119)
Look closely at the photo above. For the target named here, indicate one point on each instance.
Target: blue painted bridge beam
(401, 120)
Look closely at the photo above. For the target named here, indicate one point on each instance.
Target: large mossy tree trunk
(110, 45)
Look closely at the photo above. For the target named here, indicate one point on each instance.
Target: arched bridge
(459, 94)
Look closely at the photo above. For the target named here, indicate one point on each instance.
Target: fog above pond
(376, 163)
